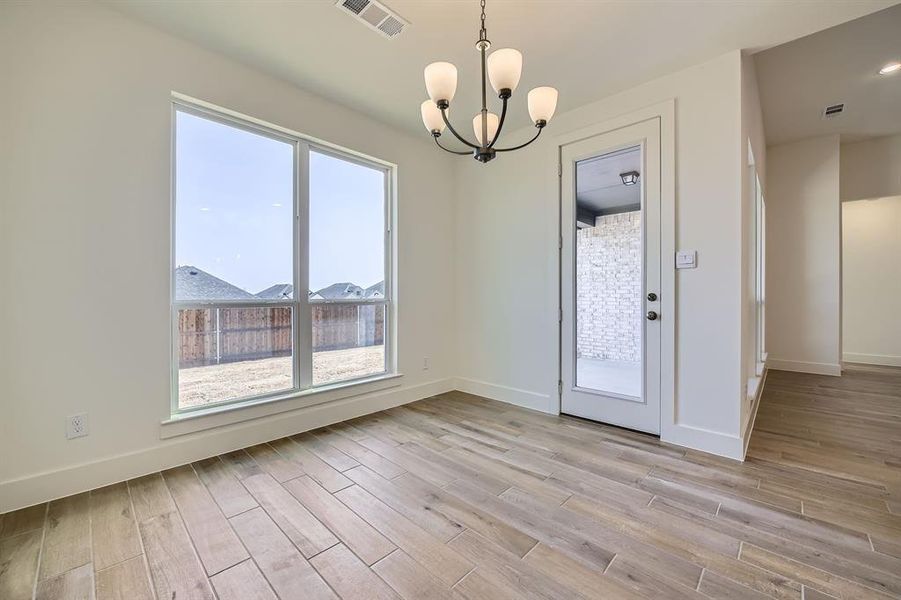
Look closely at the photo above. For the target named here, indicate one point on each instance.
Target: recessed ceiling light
(890, 68)
(204, 209)
(277, 204)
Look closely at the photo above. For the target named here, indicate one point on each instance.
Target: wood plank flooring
(460, 497)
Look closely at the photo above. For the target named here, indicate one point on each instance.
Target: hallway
(840, 437)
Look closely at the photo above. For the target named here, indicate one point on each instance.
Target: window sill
(239, 412)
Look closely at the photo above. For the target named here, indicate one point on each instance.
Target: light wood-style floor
(460, 497)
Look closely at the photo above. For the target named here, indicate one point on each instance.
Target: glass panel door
(610, 277)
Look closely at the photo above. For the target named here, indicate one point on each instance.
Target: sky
(234, 206)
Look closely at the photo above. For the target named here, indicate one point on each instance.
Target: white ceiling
(797, 80)
(599, 188)
(587, 49)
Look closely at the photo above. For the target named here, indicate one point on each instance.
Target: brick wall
(608, 288)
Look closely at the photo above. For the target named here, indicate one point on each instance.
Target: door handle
(652, 316)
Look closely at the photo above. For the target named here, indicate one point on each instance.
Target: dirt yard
(200, 385)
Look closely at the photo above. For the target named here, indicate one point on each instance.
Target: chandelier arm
(449, 150)
(454, 131)
(500, 124)
(521, 145)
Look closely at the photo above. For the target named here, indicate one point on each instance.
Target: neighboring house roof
(192, 283)
(376, 290)
(279, 291)
(341, 291)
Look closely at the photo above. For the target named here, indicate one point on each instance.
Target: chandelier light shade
(431, 117)
(493, 122)
(502, 69)
(441, 81)
(542, 104)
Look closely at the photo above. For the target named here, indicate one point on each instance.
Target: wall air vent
(375, 15)
(833, 110)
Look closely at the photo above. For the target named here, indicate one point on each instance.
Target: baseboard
(887, 360)
(510, 395)
(804, 367)
(713, 442)
(755, 404)
(705, 440)
(26, 491)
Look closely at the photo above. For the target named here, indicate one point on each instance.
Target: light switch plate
(686, 259)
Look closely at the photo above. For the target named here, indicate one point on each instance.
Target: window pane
(347, 229)
(609, 277)
(348, 342)
(232, 353)
(234, 212)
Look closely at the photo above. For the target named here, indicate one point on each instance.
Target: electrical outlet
(425, 363)
(77, 426)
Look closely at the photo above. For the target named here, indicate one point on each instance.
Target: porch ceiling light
(629, 177)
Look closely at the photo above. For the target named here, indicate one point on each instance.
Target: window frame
(301, 304)
(760, 276)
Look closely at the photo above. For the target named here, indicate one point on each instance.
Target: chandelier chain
(483, 34)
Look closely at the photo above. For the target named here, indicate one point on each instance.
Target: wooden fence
(210, 336)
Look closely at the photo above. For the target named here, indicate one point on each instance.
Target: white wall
(753, 135)
(871, 280)
(871, 169)
(507, 278)
(85, 234)
(803, 249)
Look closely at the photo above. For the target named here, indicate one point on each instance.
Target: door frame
(665, 111)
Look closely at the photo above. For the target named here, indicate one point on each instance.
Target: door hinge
(559, 169)
(560, 242)
(560, 315)
(559, 387)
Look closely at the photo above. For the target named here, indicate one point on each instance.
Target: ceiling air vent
(833, 110)
(375, 15)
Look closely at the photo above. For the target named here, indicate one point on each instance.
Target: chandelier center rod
(483, 44)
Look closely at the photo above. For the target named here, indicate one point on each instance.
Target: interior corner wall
(871, 168)
(85, 245)
(803, 276)
(507, 272)
(753, 136)
(871, 281)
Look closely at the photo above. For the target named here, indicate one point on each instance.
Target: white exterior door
(610, 277)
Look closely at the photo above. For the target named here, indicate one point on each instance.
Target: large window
(258, 215)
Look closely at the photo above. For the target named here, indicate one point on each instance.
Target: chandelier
(504, 68)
